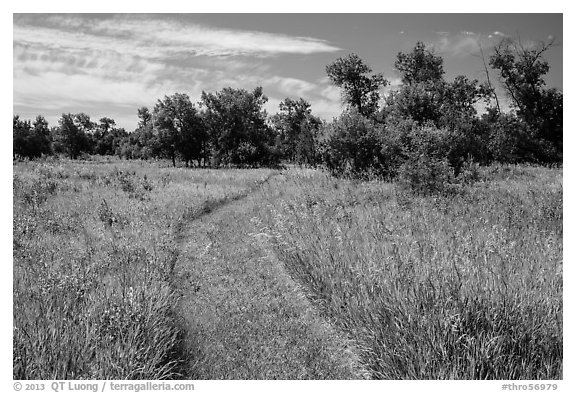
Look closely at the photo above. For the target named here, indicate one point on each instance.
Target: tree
(432, 102)
(307, 141)
(83, 122)
(421, 102)
(353, 145)
(236, 123)
(510, 139)
(31, 140)
(144, 116)
(522, 72)
(70, 138)
(20, 137)
(41, 141)
(297, 130)
(86, 127)
(179, 128)
(491, 89)
(103, 140)
(419, 66)
(421, 97)
(360, 89)
(107, 124)
(144, 143)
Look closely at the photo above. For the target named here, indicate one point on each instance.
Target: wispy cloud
(62, 62)
(152, 37)
(291, 86)
(464, 43)
(461, 44)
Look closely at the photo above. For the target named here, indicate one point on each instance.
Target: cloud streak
(154, 38)
(464, 43)
(64, 62)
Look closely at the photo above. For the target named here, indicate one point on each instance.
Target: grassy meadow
(467, 286)
(95, 244)
(462, 286)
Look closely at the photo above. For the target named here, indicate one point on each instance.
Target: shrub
(426, 175)
(353, 146)
(470, 172)
(512, 140)
(509, 139)
(245, 154)
(426, 169)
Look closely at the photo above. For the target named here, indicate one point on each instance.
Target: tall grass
(467, 286)
(95, 245)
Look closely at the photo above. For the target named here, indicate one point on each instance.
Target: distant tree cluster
(429, 128)
(31, 140)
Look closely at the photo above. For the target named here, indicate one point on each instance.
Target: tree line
(428, 124)
(228, 127)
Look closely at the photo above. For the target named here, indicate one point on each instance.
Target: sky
(112, 64)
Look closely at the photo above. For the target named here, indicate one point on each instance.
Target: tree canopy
(360, 89)
(522, 70)
(237, 126)
(297, 130)
(421, 65)
(425, 127)
(179, 128)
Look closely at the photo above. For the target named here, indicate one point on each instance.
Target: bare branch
(488, 76)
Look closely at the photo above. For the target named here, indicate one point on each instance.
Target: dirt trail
(245, 317)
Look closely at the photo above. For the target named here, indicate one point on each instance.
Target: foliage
(179, 128)
(360, 89)
(297, 131)
(144, 117)
(70, 137)
(31, 141)
(142, 143)
(235, 117)
(419, 66)
(421, 102)
(426, 98)
(511, 140)
(522, 73)
(426, 169)
(107, 139)
(231, 127)
(353, 145)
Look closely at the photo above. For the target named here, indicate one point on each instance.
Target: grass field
(95, 245)
(130, 270)
(467, 286)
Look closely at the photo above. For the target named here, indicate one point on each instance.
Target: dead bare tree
(492, 89)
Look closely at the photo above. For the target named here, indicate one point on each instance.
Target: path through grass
(467, 286)
(246, 318)
(95, 244)
(124, 270)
